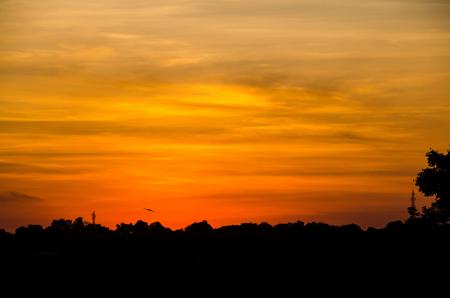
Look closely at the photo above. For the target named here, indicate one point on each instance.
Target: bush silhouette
(434, 181)
(199, 229)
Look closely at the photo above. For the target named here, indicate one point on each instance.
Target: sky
(230, 111)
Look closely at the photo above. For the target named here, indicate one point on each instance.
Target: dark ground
(254, 256)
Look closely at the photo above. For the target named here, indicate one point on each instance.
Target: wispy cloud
(124, 100)
(13, 197)
(23, 168)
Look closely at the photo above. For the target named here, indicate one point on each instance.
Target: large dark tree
(434, 181)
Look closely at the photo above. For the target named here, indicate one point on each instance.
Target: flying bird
(149, 210)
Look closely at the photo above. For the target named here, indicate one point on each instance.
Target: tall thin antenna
(93, 217)
(413, 200)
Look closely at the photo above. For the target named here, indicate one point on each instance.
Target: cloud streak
(13, 197)
(132, 102)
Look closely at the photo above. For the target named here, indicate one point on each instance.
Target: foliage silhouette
(73, 238)
(200, 251)
(434, 181)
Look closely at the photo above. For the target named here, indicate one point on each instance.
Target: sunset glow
(229, 111)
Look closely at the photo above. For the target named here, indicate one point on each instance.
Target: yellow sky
(230, 111)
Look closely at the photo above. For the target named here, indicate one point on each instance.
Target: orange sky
(230, 111)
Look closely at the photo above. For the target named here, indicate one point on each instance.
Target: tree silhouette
(141, 228)
(434, 181)
(60, 226)
(124, 229)
(413, 214)
(78, 225)
(199, 229)
(30, 231)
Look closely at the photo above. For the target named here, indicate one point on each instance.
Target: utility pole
(93, 217)
(412, 210)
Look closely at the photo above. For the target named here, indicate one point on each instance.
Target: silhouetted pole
(413, 200)
(93, 217)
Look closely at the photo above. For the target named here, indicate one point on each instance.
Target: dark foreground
(293, 254)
